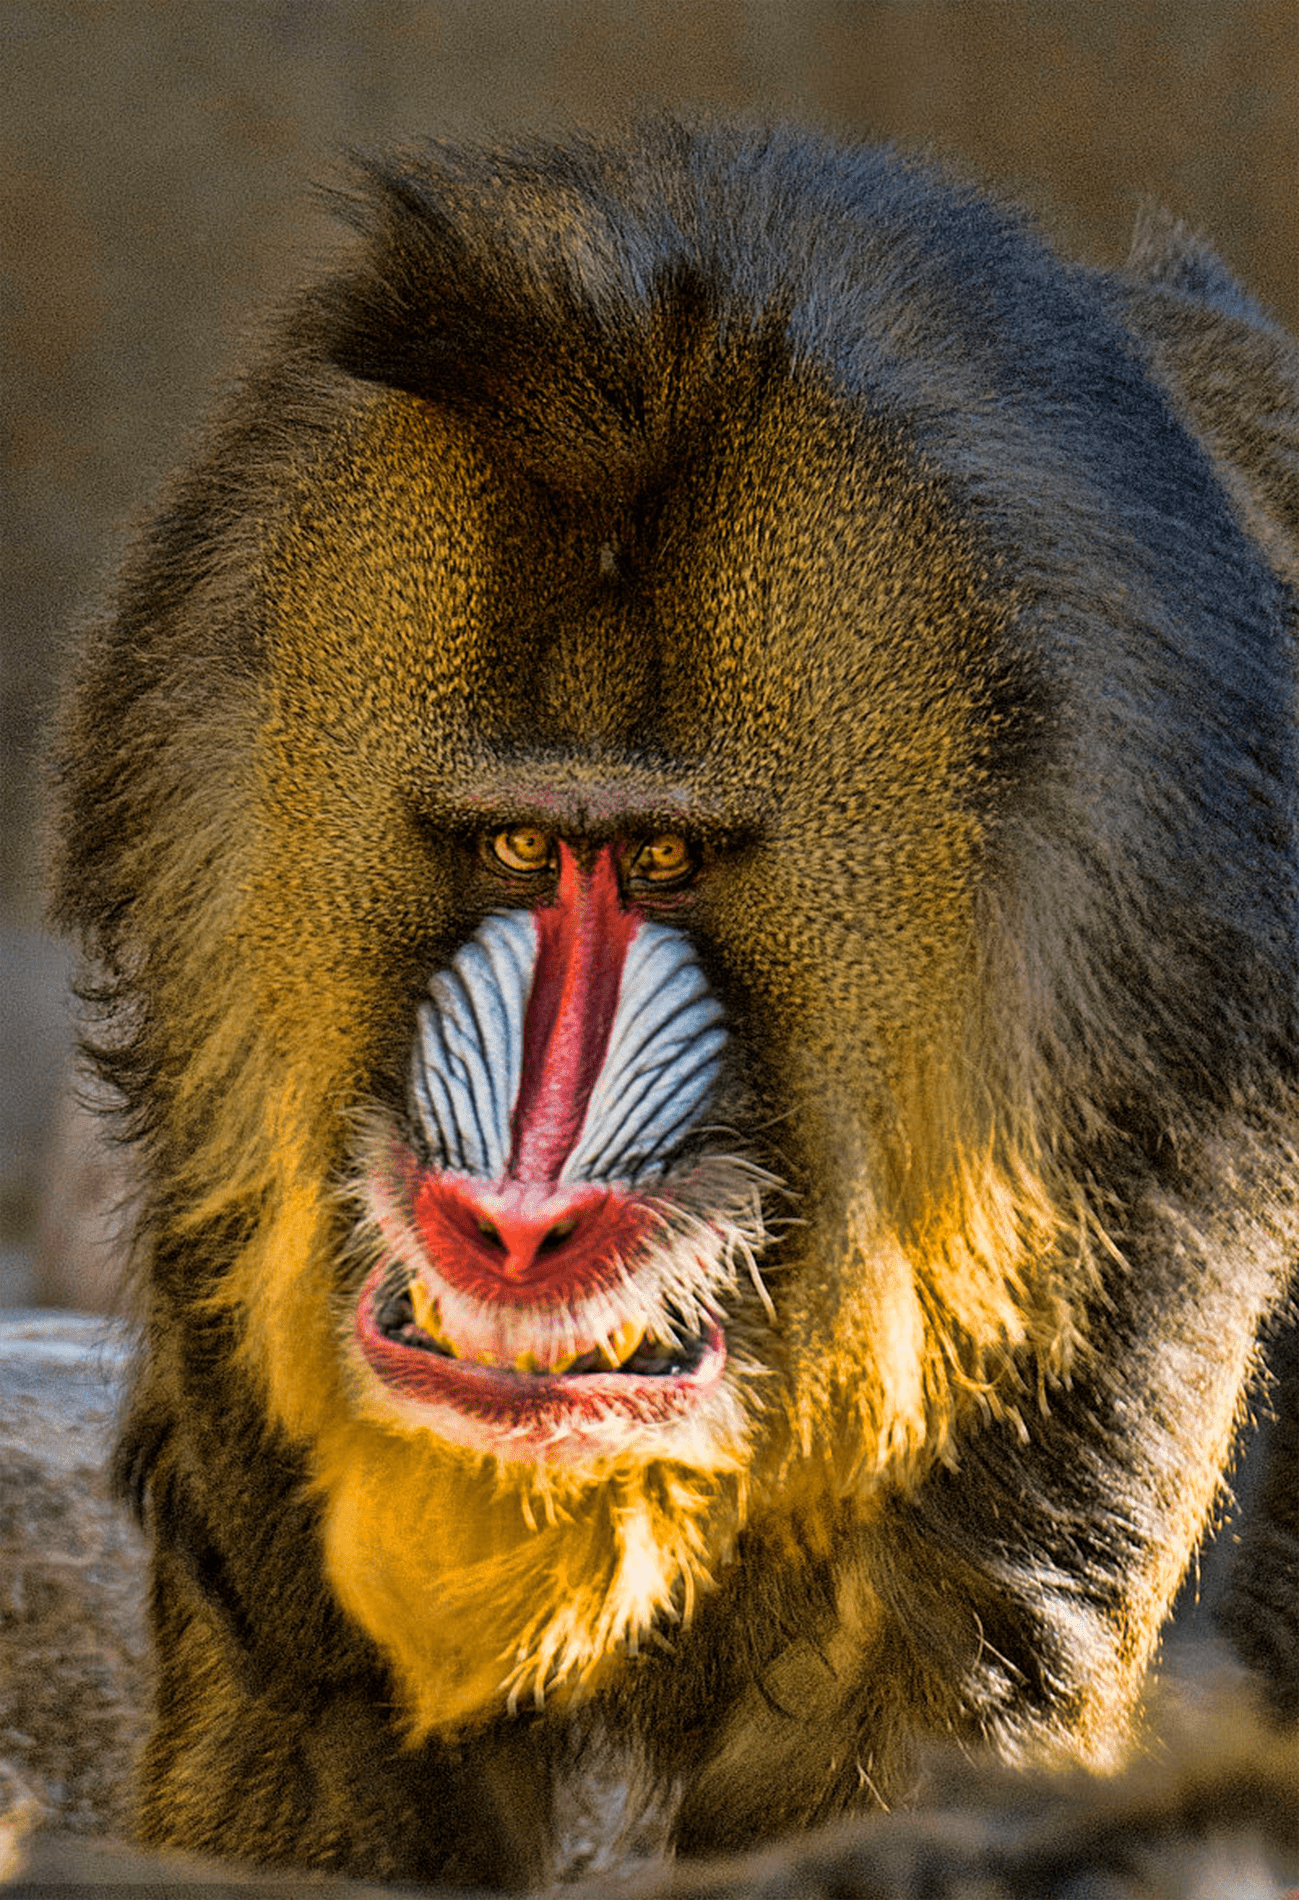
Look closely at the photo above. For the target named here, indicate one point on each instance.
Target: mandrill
(686, 834)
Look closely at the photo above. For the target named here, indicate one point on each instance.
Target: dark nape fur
(940, 594)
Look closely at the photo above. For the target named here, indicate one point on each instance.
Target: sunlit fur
(801, 504)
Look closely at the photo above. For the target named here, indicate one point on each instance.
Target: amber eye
(523, 848)
(663, 859)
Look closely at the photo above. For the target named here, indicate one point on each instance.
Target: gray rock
(73, 1651)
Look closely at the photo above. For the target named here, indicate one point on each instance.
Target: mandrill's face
(558, 1234)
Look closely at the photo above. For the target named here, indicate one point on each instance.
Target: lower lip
(533, 1416)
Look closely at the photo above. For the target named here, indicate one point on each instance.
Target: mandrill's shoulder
(1231, 370)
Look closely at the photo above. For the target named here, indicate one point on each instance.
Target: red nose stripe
(582, 943)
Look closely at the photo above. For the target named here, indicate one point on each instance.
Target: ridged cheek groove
(468, 1053)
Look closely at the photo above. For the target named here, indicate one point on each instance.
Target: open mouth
(406, 1315)
(630, 1388)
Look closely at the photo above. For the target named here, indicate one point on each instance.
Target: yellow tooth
(622, 1345)
(528, 1362)
(425, 1309)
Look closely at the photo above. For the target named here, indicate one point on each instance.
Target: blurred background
(158, 164)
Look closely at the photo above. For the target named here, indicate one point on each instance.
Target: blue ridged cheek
(661, 1066)
(654, 1086)
(468, 1054)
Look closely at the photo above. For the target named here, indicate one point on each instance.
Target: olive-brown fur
(800, 500)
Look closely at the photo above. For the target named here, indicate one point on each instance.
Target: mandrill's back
(687, 830)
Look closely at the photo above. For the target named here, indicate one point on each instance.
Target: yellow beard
(484, 1584)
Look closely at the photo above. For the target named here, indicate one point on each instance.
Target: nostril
(498, 1236)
